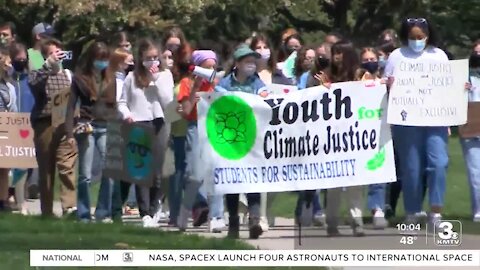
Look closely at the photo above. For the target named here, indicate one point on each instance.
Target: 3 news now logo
(448, 233)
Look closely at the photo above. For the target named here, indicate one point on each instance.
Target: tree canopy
(80, 21)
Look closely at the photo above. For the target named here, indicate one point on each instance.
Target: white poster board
(429, 93)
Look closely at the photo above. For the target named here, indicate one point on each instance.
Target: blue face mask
(417, 45)
(100, 65)
(382, 62)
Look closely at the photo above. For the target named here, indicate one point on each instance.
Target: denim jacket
(252, 85)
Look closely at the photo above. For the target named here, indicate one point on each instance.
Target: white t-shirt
(430, 53)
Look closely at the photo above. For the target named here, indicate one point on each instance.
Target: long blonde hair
(117, 57)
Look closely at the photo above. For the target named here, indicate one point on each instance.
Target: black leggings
(232, 202)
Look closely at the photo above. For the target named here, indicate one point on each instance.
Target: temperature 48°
(408, 240)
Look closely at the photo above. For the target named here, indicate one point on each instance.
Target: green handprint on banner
(377, 161)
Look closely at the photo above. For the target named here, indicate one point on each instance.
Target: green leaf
(377, 161)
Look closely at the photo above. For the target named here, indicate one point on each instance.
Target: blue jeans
(192, 195)
(376, 196)
(471, 153)
(215, 203)
(86, 146)
(177, 181)
(422, 151)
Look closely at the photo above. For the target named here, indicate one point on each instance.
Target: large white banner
(311, 139)
(428, 93)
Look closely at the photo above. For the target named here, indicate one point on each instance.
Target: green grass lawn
(20, 234)
(457, 201)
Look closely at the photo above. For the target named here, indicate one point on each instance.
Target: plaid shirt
(45, 86)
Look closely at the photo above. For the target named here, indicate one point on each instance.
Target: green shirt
(36, 59)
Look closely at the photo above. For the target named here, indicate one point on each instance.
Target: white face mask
(151, 63)
(265, 54)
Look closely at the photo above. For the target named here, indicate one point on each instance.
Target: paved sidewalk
(286, 236)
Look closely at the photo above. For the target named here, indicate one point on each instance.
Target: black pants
(232, 202)
(120, 196)
(148, 199)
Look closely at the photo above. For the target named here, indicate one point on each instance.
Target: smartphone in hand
(68, 55)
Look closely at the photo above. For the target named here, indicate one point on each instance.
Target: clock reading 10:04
(401, 227)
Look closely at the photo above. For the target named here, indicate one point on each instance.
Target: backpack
(5, 98)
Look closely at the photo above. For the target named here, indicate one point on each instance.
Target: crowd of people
(118, 78)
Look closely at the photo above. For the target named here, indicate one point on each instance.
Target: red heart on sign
(286, 91)
(24, 133)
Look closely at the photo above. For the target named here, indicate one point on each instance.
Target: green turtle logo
(231, 127)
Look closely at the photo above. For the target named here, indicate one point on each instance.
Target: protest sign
(311, 139)
(59, 107)
(280, 89)
(16, 141)
(130, 153)
(429, 93)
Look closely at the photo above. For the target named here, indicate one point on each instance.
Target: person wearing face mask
(369, 71)
(290, 47)
(146, 93)
(303, 65)
(7, 104)
(8, 33)
(243, 78)
(25, 102)
(471, 145)
(422, 151)
(187, 97)
(317, 75)
(269, 74)
(52, 149)
(120, 64)
(93, 89)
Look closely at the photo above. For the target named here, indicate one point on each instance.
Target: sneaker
(149, 222)
(433, 222)
(306, 217)
(254, 228)
(379, 221)
(476, 217)
(107, 221)
(217, 225)
(319, 219)
(200, 216)
(412, 219)
(70, 212)
(182, 220)
(264, 224)
(422, 216)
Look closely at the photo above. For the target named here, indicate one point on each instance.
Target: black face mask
(371, 67)
(474, 60)
(129, 68)
(322, 63)
(288, 50)
(173, 47)
(19, 65)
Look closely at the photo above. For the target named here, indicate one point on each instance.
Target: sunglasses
(417, 21)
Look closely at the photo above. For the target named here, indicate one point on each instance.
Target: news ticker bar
(170, 258)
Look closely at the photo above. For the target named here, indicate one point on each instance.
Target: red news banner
(16, 141)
